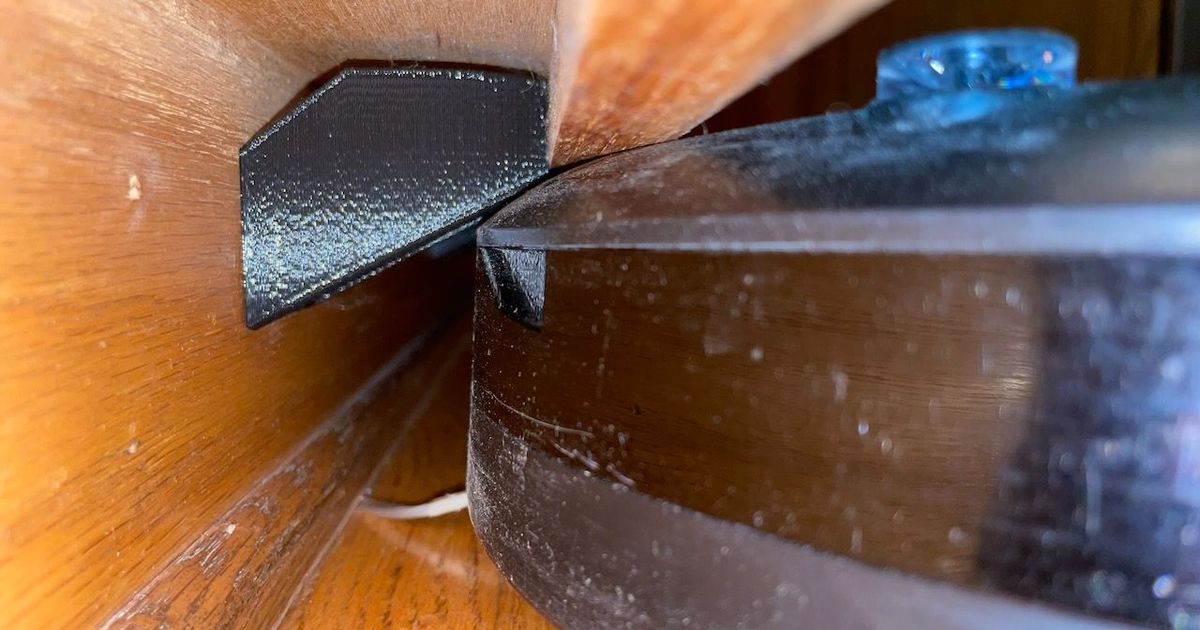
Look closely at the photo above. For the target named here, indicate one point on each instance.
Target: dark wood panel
(846, 402)
(1117, 39)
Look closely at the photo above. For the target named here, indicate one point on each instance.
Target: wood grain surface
(1117, 39)
(633, 72)
(318, 34)
(137, 407)
(423, 574)
(242, 571)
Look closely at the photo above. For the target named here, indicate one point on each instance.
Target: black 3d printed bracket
(376, 165)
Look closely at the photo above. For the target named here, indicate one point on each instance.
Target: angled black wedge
(376, 165)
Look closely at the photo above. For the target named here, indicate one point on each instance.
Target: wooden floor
(431, 573)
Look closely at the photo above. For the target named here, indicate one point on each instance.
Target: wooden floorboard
(431, 573)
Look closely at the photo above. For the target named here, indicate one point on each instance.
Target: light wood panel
(423, 574)
(318, 34)
(776, 390)
(137, 408)
(432, 574)
(624, 73)
(242, 571)
(633, 72)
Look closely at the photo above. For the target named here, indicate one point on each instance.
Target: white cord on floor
(445, 504)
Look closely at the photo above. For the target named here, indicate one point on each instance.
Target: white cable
(445, 504)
